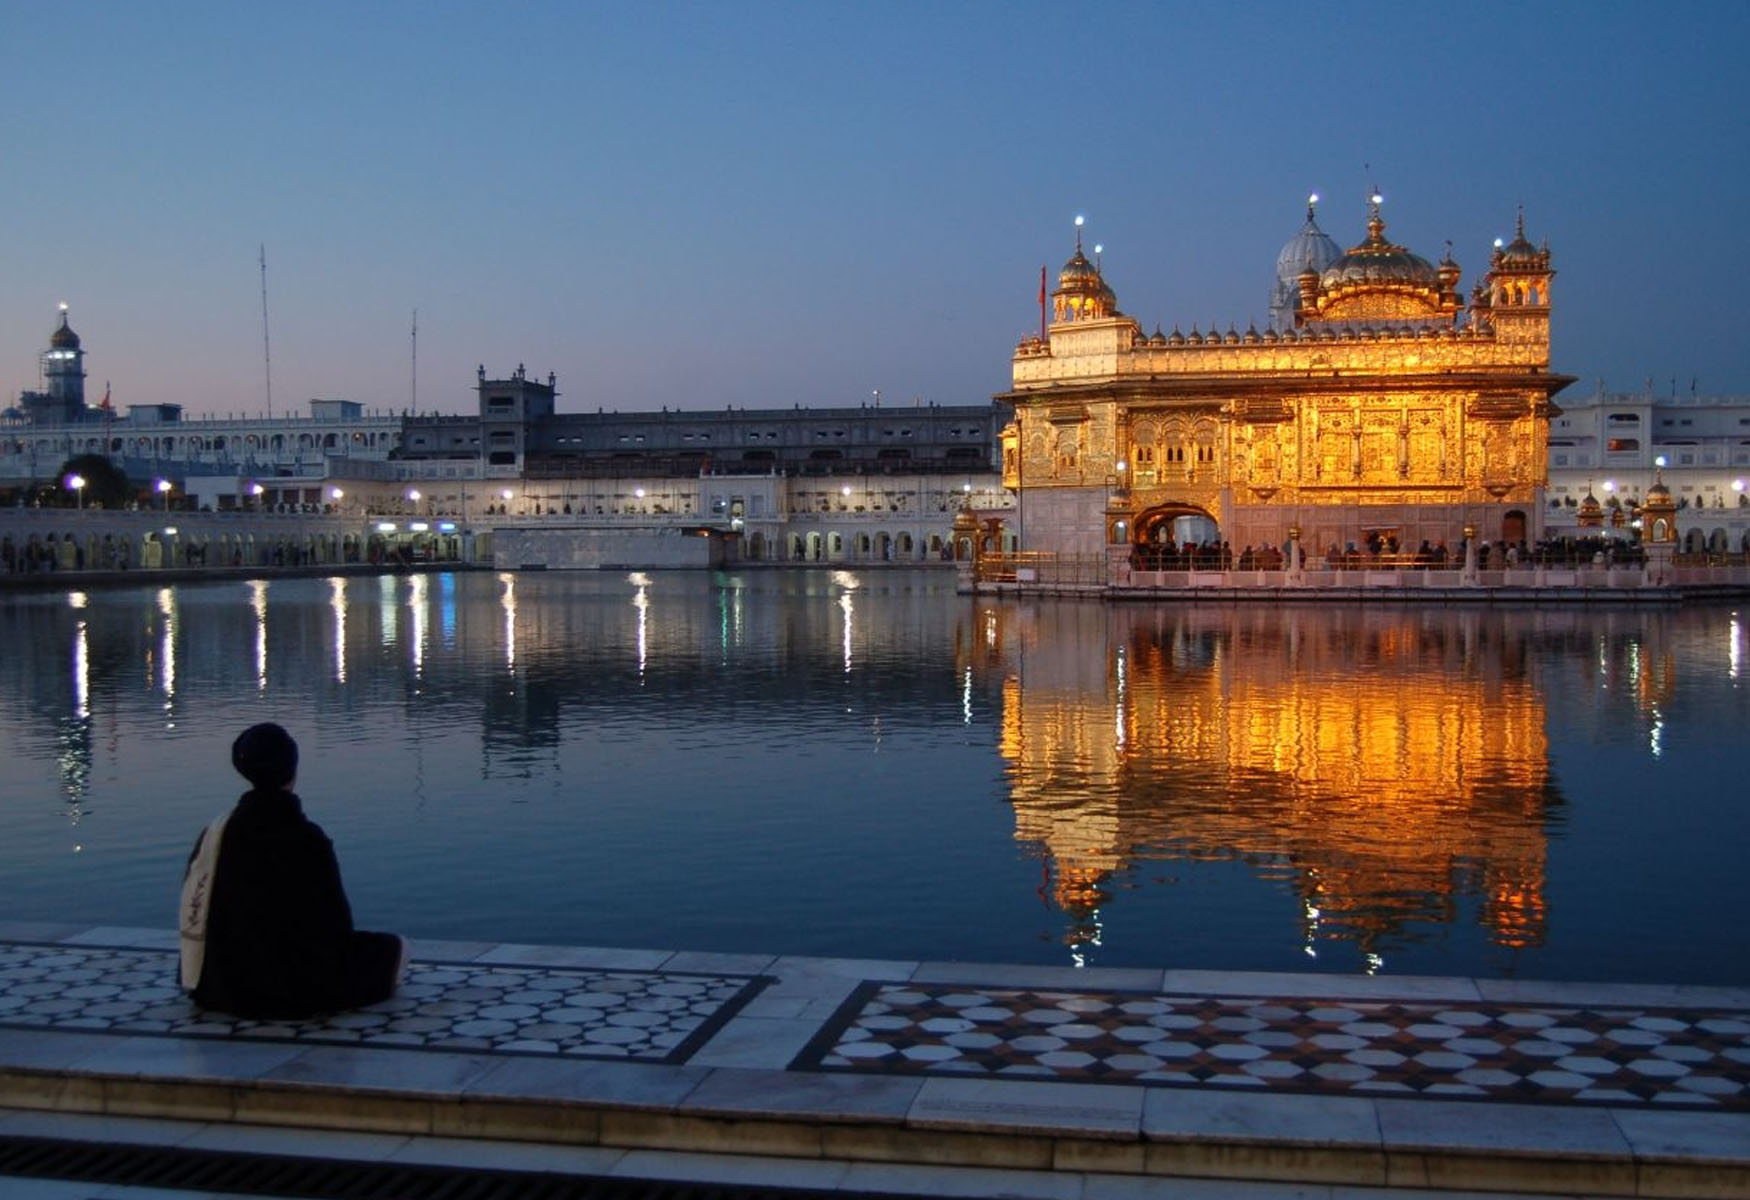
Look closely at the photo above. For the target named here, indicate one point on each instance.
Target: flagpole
(1042, 302)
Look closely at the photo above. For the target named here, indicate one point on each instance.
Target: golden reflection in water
(1385, 768)
(1734, 647)
(258, 602)
(507, 601)
(337, 605)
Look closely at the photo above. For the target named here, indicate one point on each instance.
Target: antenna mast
(415, 361)
(266, 355)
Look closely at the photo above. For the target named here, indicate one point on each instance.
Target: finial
(1098, 249)
(1079, 220)
(1519, 227)
(1311, 203)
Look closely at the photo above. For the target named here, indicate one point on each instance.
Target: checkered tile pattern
(1641, 1056)
(575, 1013)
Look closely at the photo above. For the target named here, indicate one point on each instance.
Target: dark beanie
(265, 755)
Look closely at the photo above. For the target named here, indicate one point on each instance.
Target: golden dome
(1377, 261)
(64, 338)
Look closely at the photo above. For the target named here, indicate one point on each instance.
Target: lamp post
(413, 500)
(163, 486)
(255, 491)
(335, 495)
(504, 495)
(77, 483)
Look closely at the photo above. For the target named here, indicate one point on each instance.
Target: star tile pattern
(647, 1016)
(1634, 1056)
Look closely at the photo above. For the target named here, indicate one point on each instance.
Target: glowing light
(419, 526)
(163, 485)
(1659, 460)
(385, 527)
(508, 602)
(1099, 247)
(255, 489)
(847, 606)
(337, 604)
(504, 494)
(413, 495)
(638, 492)
(846, 490)
(1377, 198)
(81, 673)
(1610, 485)
(641, 602)
(167, 645)
(1080, 220)
(335, 493)
(258, 602)
(1499, 243)
(63, 306)
(416, 612)
(1737, 485)
(1313, 199)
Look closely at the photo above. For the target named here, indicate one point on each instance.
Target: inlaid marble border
(478, 1007)
(1532, 1053)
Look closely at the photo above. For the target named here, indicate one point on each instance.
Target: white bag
(197, 899)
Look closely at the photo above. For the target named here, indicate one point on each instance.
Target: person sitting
(266, 928)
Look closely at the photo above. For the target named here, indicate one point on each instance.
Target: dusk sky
(762, 205)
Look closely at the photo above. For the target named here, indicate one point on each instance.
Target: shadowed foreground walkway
(1067, 1082)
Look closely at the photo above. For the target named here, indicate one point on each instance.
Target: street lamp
(163, 486)
(255, 491)
(413, 499)
(77, 483)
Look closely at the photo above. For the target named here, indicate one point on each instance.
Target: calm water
(869, 765)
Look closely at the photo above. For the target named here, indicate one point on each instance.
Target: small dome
(1658, 493)
(1309, 251)
(64, 338)
(1376, 261)
(1078, 273)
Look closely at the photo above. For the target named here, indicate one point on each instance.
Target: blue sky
(758, 204)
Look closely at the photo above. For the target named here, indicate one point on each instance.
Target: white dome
(1311, 249)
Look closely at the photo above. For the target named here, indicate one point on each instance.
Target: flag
(1042, 284)
(105, 403)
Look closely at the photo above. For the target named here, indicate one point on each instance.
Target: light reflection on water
(866, 764)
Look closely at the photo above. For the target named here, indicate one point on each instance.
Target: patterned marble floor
(1523, 1053)
(646, 1016)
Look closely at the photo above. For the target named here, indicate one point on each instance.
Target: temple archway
(1177, 521)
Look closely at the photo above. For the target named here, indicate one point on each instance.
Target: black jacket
(280, 940)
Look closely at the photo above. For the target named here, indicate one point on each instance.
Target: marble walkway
(1333, 1081)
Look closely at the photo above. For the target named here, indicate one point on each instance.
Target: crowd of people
(1384, 552)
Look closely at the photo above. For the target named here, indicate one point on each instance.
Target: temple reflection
(1388, 767)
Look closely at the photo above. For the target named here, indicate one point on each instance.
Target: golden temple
(1378, 405)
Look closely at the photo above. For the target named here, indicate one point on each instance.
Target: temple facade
(1378, 407)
